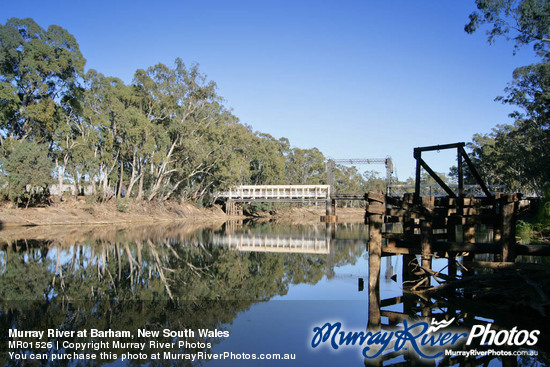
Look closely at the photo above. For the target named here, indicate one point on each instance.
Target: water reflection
(154, 277)
(253, 279)
(174, 262)
(277, 243)
(495, 301)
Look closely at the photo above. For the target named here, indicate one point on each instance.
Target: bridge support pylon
(233, 208)
(330, 216)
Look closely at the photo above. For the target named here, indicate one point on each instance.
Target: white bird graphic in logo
(439, 325)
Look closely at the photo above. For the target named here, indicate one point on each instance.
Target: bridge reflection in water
(273, 243)
(134, 274)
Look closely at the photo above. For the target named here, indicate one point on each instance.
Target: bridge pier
(330, 216)
(233, 208)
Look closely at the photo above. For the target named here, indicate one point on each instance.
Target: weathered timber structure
(456, 228)
(462, 158)
(454, 231)
(449, 227)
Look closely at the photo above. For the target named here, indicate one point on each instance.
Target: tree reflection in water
(158, 277)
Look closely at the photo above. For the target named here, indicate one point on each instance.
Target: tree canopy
(517, 154)
(38, 70)
(523, 21)
(167, 134)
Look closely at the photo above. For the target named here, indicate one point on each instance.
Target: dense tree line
(518, 154)
(165, 135)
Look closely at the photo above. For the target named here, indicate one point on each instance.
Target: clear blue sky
(356, 79)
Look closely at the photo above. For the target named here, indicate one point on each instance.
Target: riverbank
(77, 211)
(304, 215)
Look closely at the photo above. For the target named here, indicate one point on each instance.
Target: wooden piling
(230, 207)
(508, 205)
(330, 212)
(328, 208)
(408, 231)
(426, 247)
(427, 237)
(376, 209)
(451, 237)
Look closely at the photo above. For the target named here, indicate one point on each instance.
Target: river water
(230, 294)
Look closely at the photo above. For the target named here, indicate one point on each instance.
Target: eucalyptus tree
(267, 164)
(348, 180)
(177, 99)
(26, 168)
(523, 21)
(373, 181)
(152, 88)
(517, 155)
(100, 144)
(201, 152)
(38, 68)
(112, 117)
(39, 74)
(306, 166)
(234, 153)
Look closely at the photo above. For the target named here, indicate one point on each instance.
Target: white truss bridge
(277, 193)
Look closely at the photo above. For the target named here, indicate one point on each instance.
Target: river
(229, 294)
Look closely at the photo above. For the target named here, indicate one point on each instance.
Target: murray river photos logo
(428, 341)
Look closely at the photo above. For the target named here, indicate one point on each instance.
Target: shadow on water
(462, 313)
(507, 305)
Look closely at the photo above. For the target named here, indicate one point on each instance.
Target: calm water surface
(267, 285)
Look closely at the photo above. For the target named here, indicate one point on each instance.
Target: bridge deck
(281, 193)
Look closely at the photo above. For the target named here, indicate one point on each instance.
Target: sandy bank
(73, 211)
(77, 211)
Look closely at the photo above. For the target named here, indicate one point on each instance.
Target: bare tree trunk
(134, 176)
(121, 178)
(161, 173)
(60, 174)
(76, 183)
(140, 186)
(106, 172)
(105, 185)
(165, 197)
(94, 189)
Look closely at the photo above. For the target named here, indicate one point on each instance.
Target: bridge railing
(245, 193)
